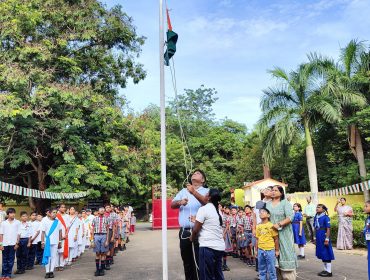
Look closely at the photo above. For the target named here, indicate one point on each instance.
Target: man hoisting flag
(171, 41)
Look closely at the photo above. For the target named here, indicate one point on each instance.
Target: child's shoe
(325, 274)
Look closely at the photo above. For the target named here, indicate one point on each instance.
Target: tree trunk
(266, 171)
(355, 144)
(311, 164)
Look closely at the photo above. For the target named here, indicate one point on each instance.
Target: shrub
(358, 227)
(358, 236)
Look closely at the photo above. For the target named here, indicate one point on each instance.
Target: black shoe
(300, 257)
(97, 273)
(29, 268)
(102, 272)
(226, 267)
(325, 274)
(19, 272)
(47, 275)
(51, 275)
(107, 266)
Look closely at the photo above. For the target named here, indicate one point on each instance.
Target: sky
(230, 44)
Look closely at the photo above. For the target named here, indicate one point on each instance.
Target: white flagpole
(163, 144)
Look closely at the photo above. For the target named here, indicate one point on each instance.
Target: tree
(61, 64)
(349, 78)
(292, 109)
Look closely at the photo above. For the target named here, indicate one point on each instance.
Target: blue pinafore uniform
(367, 238)
(324, 253)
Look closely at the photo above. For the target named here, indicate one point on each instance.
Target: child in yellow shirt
(268, 246)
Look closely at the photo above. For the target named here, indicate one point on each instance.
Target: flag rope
(184, 142)
(22, 191)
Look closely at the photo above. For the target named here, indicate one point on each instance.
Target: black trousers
(188, 258)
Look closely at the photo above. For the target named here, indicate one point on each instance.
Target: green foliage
(61, 63)
(358, 235)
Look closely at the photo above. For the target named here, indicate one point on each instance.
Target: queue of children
(250, 236)
(59, 238)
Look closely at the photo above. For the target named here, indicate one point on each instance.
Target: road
(143, 260)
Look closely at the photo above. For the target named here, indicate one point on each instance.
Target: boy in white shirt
(64, 250)
(39, 250)
(36, 237)
(51, 239)
(25, 234)
(9, 239)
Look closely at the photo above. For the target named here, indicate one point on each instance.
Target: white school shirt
(9, 232)
(46, 225)
(211, 234)
(25, 230)
(67, 222)
(36, 227)
(73, 224)
(80, 231)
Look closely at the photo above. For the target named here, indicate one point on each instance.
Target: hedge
(358, 223)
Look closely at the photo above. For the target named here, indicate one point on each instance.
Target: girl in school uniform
(233, 218)
(367, 234)
(298, 230)
(324, 249)
(73, 228)
(227, 237)
(241, 240)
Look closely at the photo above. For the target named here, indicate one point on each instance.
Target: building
(252, 191)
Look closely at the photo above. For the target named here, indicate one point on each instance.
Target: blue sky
(230, 44)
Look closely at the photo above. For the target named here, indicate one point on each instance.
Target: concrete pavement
(143, 260)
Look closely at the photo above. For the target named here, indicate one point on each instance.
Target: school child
(248, 226)
(241, 240)
(39, 249)
(25, 234)
(9, 242)
(112, 221)
(35, 238)
(87, 227)
(298, 230)
(51, 240)
(63, 252)
(73, 228)
(227, 237)
(367, 234)
(80, 237)
(133, 223)
(100, 234)
(324, 249)
(233, 218)
(268, 246)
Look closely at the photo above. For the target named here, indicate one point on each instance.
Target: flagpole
(163, 145)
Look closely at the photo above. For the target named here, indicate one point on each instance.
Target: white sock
(325, 267)
(328, 267)
(301, 251)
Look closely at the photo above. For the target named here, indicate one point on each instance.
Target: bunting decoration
(353, 189)
(18, 190)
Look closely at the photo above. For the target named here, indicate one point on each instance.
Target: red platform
(172, 215)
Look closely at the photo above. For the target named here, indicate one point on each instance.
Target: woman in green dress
(282, 216)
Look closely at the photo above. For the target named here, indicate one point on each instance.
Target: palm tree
(347, 78)
(293, 108)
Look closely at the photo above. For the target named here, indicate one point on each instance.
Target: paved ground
(143, 260)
